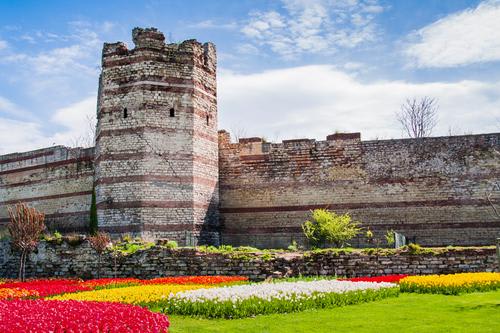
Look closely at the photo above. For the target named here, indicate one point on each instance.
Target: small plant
(25, 227)
(171, 244)
(127, 238)
(390, 237)
(73, 239)
(369, 235)
(414, 248)
(99, 242)
(328, 227)
(293, 246)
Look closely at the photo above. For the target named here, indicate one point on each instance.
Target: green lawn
(476, 312)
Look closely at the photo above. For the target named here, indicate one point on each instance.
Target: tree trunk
(19, 274)
(99, 266)
(22, 264)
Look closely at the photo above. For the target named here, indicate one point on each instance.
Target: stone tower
(156, 140)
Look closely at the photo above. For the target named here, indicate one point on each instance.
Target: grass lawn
(475, 312)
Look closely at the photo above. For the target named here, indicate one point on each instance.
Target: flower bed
(206, 280)
(153, 295)
(266, 298)
(71, 316)
(452, 284)
(385, 278)
(111, 283)
(45, 288)
(16, 293)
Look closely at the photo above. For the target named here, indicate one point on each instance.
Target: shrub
(99, 242)
(74, 239)
(293, 246)
(25, 227)
(171, 244)
(390, 237)
(328, 227)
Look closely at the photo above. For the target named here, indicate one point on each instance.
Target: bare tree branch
(418, 117)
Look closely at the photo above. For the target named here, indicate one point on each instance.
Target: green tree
(326, 227)
(93, 215)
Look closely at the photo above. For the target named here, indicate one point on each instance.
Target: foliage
(293, 247)
(422, 313)
(99, 242)
(74, 239)
(25, 227)
(265, 298)
(328, 227)
(390, 237)
(69, 316)
(369, 235)
(452, 284)
(129, 246)
(93, 224)
(171, 244)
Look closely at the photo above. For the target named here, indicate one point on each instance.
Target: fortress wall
(436, 191)
(58, 181)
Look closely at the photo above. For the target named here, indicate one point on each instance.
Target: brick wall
(436, 191)
(57, 181)
(65, 260)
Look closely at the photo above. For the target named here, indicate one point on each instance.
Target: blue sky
(287, 68)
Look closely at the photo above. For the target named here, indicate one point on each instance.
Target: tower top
(149, 41)
(148, 38)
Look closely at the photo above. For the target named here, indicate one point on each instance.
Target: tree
(25, 227)
(99, 242)
(418, 117)
(93, 215)
(328, 227)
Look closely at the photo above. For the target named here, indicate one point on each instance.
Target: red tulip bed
(73, 316)
(22, 308)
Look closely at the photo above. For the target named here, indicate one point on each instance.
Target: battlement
(150, 43)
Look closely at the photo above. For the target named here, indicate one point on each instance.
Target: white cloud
(3, 44)
(314, 26)
(18, 136)
(314, 101)
(460, 39)
(11, 109)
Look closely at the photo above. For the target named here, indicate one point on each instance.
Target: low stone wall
(64, 260)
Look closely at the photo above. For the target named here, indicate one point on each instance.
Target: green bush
(293, 246)
(171, 244)
(326, 227)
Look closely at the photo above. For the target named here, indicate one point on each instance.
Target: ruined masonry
(161, 170)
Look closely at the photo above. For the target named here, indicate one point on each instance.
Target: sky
(286, 68)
